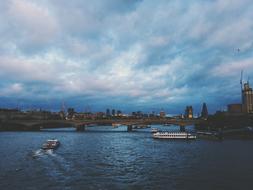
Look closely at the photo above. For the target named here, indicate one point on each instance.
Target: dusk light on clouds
(127, 54)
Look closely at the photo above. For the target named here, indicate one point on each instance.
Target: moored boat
(174, 135)
(51, 144)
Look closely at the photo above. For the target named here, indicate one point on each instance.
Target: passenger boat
(174, 135)
(51, 144)
(154, 130)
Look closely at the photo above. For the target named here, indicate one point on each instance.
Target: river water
(107, 158)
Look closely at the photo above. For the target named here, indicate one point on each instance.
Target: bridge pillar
(182, 128)
(80, 128)
(129, 128)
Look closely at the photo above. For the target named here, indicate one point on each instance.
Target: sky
(124, 54)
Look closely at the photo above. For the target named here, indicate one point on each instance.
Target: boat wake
(41, 153)
(49, 152)
(37, 153)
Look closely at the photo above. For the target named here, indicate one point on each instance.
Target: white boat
(174, 135)
(154, 130)
(141, 126)
(51, 144)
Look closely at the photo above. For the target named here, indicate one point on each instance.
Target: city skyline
(127, 55)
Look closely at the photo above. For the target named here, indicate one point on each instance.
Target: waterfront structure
(189, 112)
(84, 115)
(247, 98)
(108, 114)
(234, 108)
(162, 113)
(113, 112)
(246, 106)
(119, 113)
(137, 114)
(71, 113)
(204, 112)
(15, 114)
(99, 115)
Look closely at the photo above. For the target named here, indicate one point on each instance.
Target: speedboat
(51, 144)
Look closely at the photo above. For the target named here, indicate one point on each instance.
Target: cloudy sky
(127, 54)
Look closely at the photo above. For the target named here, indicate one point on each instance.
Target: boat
(174, 135)
(154, 130)
(141, 126)
(51, 144)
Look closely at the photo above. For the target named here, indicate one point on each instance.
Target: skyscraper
(204, 112)
(113, 112)
(247, 98)
(108, 114)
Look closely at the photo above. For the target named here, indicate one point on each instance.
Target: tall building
(108, 114)
(119, 113)
(247, 98)
(188, 112)
(204, 112)
(113, 112)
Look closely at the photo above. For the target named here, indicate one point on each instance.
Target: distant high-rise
(204, 112)
(108, 114)
(119, 113)
(247, 98)
(188, 112)
(113, 112)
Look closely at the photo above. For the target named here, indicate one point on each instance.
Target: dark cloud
(124, 53)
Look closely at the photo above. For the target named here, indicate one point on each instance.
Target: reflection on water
(111, 158)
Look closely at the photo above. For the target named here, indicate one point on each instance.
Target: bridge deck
(79, 123)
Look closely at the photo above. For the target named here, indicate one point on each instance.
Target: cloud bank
(127, 54)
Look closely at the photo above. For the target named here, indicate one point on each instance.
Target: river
(107, 158)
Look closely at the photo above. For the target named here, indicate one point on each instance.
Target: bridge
(81, 125)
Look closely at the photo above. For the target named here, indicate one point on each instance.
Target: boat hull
(174, 135)
(51, 145)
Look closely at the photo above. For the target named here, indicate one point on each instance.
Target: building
(188, 112)
(162, 113)
(113, 112)
(246, 106)
(204, 112)
(137, 114)
(235, 108)
(100, 115)
(108, 114)
(83, 115)
(70, 113)
(247, 98)
(119, 113)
